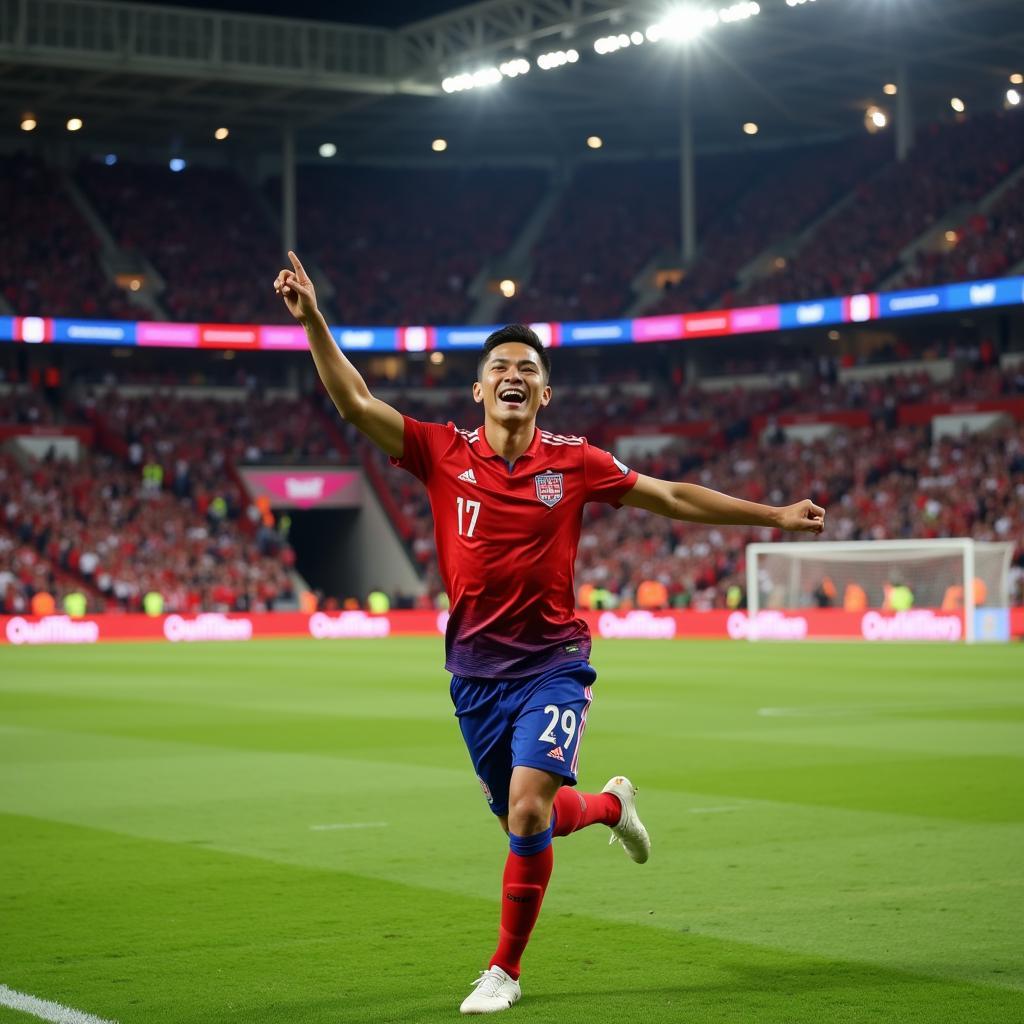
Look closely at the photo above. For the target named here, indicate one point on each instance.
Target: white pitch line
(348, 824)
(44, 1009)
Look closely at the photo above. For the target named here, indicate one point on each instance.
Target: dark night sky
(385, 13)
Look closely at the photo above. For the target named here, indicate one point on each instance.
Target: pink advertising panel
(305, 486)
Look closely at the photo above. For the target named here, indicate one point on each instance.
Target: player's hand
(803, 517)
(295, 287)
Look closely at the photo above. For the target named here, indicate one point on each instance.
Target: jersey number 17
(469, 510)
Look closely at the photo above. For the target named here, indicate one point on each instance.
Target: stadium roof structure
(165, 75)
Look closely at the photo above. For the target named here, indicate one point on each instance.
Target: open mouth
(512, 396)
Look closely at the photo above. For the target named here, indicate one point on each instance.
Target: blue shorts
(537, 722)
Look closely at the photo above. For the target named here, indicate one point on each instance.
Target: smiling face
(512, 385)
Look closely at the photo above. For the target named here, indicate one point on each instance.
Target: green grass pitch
(289, 832)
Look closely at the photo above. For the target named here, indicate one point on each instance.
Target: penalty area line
(46, 1009)
(338, 826)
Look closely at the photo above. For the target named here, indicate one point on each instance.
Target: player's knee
(529, 814)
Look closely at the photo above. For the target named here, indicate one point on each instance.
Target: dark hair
(515, 332)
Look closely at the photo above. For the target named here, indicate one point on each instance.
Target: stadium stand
(613, 220)
(951, 165)
(49, 260)
(99, 526)
(201, 229)
(403, 246)
(985, 245)
(801, 188)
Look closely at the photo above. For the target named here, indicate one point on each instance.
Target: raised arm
(382, 424)
(697, 504)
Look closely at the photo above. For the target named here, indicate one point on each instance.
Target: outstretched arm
(382, 424)
(697, 504)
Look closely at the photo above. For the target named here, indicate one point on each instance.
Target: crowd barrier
(925, 624)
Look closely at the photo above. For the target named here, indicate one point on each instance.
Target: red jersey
(506, 540)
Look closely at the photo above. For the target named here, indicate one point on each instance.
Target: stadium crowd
(160, 507)
(854, 251)
(201, 229)
(404, 246)
(49, 260)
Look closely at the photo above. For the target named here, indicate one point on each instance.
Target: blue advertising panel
(912, 303)
(369, 339)
(597, 332)
(94, 332)
(464, 337)
(992, 625)
(6, 328)
(811, 314)
(1008, 291)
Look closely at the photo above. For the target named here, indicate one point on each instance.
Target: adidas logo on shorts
(557, 754)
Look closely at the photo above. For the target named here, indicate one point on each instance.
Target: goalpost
(956, 574)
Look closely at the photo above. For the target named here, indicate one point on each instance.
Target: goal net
(948, 575)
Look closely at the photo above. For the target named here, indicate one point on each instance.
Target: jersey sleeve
(607, 480)
(422, 444)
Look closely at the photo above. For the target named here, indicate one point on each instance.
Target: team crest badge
(549, 488)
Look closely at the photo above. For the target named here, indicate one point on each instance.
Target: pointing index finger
(297, 264)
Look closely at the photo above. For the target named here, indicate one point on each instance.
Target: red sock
(575, 810)
(522, 892)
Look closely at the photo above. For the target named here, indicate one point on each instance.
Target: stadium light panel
(176, 164)
(1012, 98)
(221, 134)
(1016, 78)
(595, 141)
(327, 150)
(958, 104)
(514, 68)
(74, 124)
(507, 288)
(557, 59)
(28, 123)
(482, 77)
(439, 145)
(750, 128)
(890, 89)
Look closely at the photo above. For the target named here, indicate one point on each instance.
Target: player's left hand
(803, 517)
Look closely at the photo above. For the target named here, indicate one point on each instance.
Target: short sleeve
(422, 444)
(607, 479)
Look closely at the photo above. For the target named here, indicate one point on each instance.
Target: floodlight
(595, 141)
(958, 104)
(74, 124)
(514, 68)
(176, 164)
(875, 119)
(28, 123)
(439, 145)
(1012, 98)
(750, 128)
(890, 89)
(221, 134)
(1017, 78)
(436, 358)
(507, 288)
(952, 237)
(327, 150)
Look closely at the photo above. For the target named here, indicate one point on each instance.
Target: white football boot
(493, 992)
(630, 831)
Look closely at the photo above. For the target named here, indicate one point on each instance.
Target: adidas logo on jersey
(468, 476)
(557, 754)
